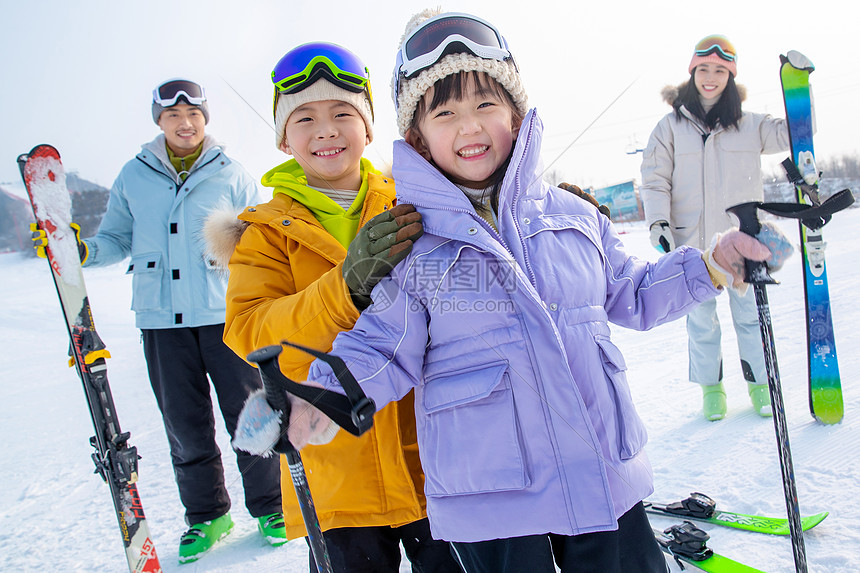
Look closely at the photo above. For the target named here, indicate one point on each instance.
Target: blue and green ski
(825, 384)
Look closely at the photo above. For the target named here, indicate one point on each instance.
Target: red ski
(115, 459)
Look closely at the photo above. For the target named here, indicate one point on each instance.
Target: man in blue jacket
(155, 215)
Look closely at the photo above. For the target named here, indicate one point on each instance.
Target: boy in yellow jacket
(302, 270)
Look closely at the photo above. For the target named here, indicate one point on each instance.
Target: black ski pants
(178, 360)
(629, 549)
(377, 550)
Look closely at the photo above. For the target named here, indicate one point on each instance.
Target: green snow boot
(201, 537)
(714, 402)
(272, 528)
(760, 398)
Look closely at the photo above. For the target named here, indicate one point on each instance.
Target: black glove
(587, 196)
(40, 241)
(380, 244)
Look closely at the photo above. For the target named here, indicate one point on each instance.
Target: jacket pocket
(146, 270)
(470, 441)
(631, 430)
(216, 285)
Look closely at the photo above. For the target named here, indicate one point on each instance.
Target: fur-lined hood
(670, 93)
(221, 232)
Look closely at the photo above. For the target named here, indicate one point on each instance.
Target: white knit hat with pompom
(413, 89)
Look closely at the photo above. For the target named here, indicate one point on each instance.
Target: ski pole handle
(266, 359)
(755, 272)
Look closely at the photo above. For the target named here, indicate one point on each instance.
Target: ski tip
(811, 521)
(796, 60)
(44, 150)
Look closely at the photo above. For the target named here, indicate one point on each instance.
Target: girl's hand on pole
(726, 257)
(308, 425)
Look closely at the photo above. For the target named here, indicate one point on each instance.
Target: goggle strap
(172, 101)
(351, 87)
(717, 49)
(427, 60)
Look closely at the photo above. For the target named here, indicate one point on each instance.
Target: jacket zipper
(179, 186)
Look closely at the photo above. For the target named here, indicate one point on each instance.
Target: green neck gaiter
(342, 224)
(183, 164)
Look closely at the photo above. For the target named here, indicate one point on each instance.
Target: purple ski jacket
(525, 420)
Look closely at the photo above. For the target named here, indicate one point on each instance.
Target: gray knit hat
(411, 90)
(320, 90)
(158, 108)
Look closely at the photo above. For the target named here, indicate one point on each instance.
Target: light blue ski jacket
(525, 420)
(157, 220)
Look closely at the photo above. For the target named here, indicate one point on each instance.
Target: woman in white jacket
(702, 158)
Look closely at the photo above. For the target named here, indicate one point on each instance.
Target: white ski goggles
(449, 33)
(168, 93)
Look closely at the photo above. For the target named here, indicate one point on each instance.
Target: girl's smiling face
(711, 79)
(467, 137)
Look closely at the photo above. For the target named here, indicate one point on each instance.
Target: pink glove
(308, 425)
(728, 254)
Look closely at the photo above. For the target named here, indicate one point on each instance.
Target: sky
(79, 75)
(48, 489)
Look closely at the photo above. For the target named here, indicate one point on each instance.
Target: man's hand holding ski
(40, 241)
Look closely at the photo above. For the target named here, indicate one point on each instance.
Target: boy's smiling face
(327, 139)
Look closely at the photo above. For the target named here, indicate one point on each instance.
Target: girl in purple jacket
(499, 320)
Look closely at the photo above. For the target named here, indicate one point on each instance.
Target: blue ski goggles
(168, 93)
(304, 65)
(450, 33)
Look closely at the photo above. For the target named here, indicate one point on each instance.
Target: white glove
(661, 236)
(259, 426)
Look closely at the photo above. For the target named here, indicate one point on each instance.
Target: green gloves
(380, 244)
(40, 241)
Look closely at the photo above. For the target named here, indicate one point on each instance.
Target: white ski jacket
(690, 177)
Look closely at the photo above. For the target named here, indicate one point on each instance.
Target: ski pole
(267, 360)
(758, 277)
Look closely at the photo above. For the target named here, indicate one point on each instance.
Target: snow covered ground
(56, 515)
